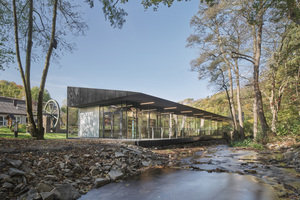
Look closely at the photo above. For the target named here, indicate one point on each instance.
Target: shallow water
(183, 185)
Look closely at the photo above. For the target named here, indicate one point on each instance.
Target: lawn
(6, 133)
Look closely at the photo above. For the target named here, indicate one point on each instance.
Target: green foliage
(289, 127)
(11, 89)
(35, 94)
(21, 135)
(246, 143)
(5, 130)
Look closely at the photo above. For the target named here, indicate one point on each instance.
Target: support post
(67, 122)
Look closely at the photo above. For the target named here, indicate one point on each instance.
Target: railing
(144, 132)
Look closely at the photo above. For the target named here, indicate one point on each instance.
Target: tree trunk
(255, 119)
(231, 101)
(240, 109)
(257, 40)
(26, 77)
(273, 106)
(231, 98)
(37, 132)
(44, 76)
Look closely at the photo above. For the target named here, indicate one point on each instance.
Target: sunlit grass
(6, 133)
(246, 143)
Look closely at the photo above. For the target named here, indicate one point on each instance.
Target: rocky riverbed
(66, 169)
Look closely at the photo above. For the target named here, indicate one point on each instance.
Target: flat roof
(12, 106)
(85, 97)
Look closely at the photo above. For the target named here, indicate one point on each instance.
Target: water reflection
(183, 185)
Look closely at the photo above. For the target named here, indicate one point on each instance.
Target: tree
(35, 94)
(10, 89)
(283, 67)
(38, 26)
(6, 52)
(219, 31)
(256, 18)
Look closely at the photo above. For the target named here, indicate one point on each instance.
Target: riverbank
(277, 165)
(66, 169)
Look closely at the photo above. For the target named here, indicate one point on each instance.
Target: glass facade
(125, 121)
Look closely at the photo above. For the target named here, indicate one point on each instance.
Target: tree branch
(243, 58)
(244, 55)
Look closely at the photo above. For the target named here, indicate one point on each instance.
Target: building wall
(88, 122)
(122, 122)
(20, 118)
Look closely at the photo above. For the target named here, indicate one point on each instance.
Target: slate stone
(42, 187)
(146, 164)
(2, 196)
(65, 192)
(119, 154)
(47, 195)
(115, 174)
(16, 172)
(7, 185)
(3, 176)
(15, 163)
(100, 182)
(51, 177)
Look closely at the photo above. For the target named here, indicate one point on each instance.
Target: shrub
(246, 143)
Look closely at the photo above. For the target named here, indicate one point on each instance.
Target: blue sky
(147, 55)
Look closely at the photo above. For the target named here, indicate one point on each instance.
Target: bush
(289, 127)
(5, 130)
(246, 143)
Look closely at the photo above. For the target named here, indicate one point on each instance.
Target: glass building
(133, 115)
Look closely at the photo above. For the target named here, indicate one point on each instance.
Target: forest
(249, 52)
(248, 49)
(11, 89)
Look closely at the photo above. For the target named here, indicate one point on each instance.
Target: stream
(218, 172)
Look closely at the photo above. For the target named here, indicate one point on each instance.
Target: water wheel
(52, 110)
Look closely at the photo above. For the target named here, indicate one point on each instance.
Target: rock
(119, 154)
(31, 195)
(2, 196)
(100, 182)
(16, 172)
(47, 195)
(106, 167)
(65, 192)
(7, 185)
(77, 169)
(146, 164)
(51, 177)
(61, 164)
(115, 174)
(42, 187)
(95, 172)
(15, 163)
(87, 156)
(3, 176)
(35, 196)
(85, 178)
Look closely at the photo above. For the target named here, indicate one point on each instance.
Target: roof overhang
(86, 97)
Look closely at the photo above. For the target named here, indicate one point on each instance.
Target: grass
(246, 143)
(6, 133)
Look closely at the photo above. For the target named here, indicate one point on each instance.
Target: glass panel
(101, 122)
(165, 121)
(107, 124)
(88, 122)
(1, 121)
(116, 125)
(152, 124)
(131, 123)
